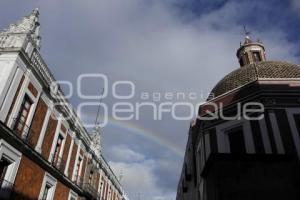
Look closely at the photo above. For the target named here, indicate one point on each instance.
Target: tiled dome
(255, 71)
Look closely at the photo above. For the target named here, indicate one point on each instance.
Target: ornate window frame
(223, 140)
(48, 180)
(72, 194)
(13, 156)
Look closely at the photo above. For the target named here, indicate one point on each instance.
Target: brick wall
(37, 121)
(49, 136)
(63, 129)
(97, 180)
(81, 152)
(106, 190)
(66, 148)
(28, 180)
(114, 196)
(72, 161)
(14, 100)
(32, 89)
(83, 168)
(61, 192)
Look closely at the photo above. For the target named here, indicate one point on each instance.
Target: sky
(161, 46)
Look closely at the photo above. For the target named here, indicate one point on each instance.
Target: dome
(255, 71)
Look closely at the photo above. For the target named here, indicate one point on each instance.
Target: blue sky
(161, 46)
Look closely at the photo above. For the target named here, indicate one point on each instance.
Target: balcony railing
(58, 163)
(25, 133)
(91, 190)
(6, 189)
(88, 188)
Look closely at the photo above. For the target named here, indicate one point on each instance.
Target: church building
(250, 148)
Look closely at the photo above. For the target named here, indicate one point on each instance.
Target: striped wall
(278, 133)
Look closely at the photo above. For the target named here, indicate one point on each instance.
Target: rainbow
(148, 134)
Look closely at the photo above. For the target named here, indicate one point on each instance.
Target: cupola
(250, 52)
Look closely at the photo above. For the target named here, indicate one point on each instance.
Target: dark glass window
(46, 191)
(91, 177)
(77, 168)
(57, 148)
(101, 187)
(3, 167)
(256, 56)
(23, 114)
(236, 141)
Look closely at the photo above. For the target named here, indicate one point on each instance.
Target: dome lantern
(250, 52)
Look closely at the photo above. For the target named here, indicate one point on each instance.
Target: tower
(23, 34)
(96, 140)
(96, 134)
(250, 52)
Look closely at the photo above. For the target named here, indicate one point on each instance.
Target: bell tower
(25, 34)
(250, 52)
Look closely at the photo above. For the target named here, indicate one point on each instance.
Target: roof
(253, 72)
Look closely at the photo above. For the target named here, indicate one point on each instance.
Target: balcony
(25, 133)
(6, 189)
(87, 188)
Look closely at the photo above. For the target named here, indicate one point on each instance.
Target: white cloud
(296, 4)
(124, 154)
(147, 42)
(147, 39)
(140, 179)
(169, 54)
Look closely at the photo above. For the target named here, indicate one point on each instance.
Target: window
(104, 189)
(236, 141)
(48, 187)
(77, 168)
(9, 163)
(91, 177)
(72, 195)
(101, 187)
(6, 186)
(20, 121)
(46, 192)
(109, 193)
(4, 163)
(57, 149)
(201, 155)
(256, 56)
